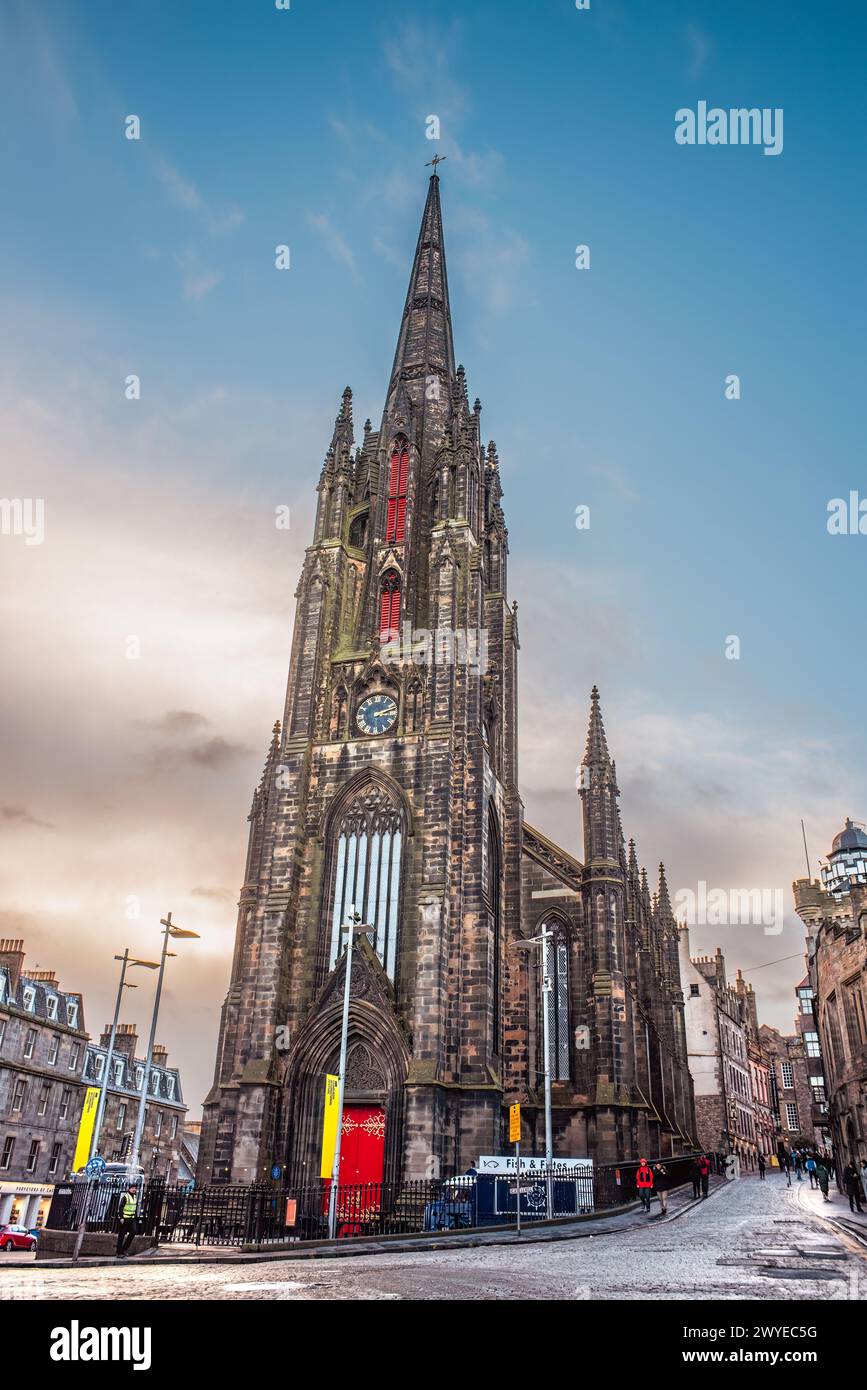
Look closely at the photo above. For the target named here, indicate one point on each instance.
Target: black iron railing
(274, 1213)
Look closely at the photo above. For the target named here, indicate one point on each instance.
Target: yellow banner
(85, 1129)
(329, 1126)
(514, 1124)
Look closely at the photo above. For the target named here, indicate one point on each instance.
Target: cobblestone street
(749, 1240)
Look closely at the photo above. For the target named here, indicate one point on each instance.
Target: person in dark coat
(852, 1186)
(824, 1179)
(660, 1182)
(762, 1167)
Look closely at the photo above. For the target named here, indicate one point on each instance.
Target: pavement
(749, 1240)
(836, 1210)
(583, 1227)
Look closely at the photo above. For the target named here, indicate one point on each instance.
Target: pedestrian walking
(852, 1186)
(823, 1179)
(126, 1229)
(796, 1159)
(864, 1177)
(660, 1183)
(787, 1164)
(704, 1172)
(811, 1170)
(762, 1167)
(695, 1174)
(644, 1183)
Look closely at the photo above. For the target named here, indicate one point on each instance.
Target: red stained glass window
(389, 607)
(398, 472)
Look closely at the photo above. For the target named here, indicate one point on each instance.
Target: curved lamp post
(176, 933)
(100, 1113)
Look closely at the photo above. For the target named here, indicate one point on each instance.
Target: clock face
(376, 714)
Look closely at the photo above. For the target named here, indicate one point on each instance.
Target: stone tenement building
(47, 1062)
(792, 1096)
(731, 1074)
(391, 785)
(835, 915)
(164, 1112)
(43, 1044)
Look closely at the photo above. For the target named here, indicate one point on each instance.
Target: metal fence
(273, 1213)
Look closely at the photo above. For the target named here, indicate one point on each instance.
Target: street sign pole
(518, 1166)
(545, 937)
(354, 927)
(515, 1138)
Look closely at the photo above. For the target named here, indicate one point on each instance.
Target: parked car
(16, 1238)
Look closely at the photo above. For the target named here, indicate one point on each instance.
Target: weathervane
(437, 159)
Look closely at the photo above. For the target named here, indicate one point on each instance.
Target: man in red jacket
(704, 1170)
(644, 1183)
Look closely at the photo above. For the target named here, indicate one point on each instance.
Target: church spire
(425, 352)
(596, 753)
(603, 835)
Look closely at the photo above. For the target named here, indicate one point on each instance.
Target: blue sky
(603, 387)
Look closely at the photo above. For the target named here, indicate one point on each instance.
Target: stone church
(391, 787)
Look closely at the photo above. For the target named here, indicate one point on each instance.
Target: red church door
(362, 1155)
(362, 1144)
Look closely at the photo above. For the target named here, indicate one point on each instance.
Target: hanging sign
(85, 1128)
(329, 1125)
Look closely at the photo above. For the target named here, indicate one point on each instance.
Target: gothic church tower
(391, 786)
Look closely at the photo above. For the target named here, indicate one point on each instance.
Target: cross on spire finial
(437, 159)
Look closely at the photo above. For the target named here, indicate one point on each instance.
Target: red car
(16, 1238)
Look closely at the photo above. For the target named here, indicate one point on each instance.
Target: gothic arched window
(494, 923)
(368, 838)
(558, 1017)
(398, 472)
(414, 706)
(389, 606)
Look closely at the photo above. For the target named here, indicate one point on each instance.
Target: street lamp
(176, 933)
(354, 927)
(100, 1112)
(542, 942)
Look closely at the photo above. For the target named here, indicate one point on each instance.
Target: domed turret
(847, 861)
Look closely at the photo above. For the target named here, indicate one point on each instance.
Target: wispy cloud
(698, 46)
(217, 895)
(491, 264)
(182, 192)
(183, 735)
(29, 45)
(333, 240)
(19, 815)
(197, 280)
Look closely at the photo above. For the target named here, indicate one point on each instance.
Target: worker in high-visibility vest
(128, 1212)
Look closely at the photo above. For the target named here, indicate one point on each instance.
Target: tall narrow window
(557, 997)
(494, 924)
(398, 471)
(367, 851)
(389, 606)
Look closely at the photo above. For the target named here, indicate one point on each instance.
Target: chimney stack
(125, 1041)
(12, 956)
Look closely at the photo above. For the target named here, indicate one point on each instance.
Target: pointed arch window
(558, 1002)
(368, 841)
(494, 920)
(389, 606)
(398, 473)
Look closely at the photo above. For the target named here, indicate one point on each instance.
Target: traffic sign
(276, 1171)
(514, 1124)
(95, 1166)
